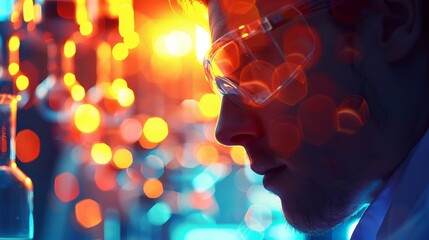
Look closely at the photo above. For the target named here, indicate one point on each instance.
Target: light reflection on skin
(323, 155)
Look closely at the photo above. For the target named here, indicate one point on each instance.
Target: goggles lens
(255, 61)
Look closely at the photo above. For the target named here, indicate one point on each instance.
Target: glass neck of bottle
(8, 108)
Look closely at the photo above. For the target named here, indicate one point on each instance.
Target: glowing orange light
(88, 213)
(101, 153)
(78, 93)
(66, 187)
(14, 16)
(86, 28)
(153, 188)
(27, 145)
(146, 144)
(202, 42)
(14, 43)
(122, 158)
(132, 40)
(105, 178)
(22, 82)
(118, 84)
(126, 97)
(104, 50)
(126, 20)
(37, 13)
(120, 51)
(239, 155)
(81, 12)
(69, 79)
(13, 68)
(178, 43)
(207, 154)
(209, 105)
(238, 7)
(115, 5)
(28, 10)
(87, 118)
(155, 129)
(69, 49)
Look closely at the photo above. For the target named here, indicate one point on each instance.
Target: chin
(318, 212)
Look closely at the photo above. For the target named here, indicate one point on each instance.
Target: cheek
(285, 135)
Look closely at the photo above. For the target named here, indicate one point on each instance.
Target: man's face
(316, 143)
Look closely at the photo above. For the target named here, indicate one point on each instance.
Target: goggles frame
(288, 14)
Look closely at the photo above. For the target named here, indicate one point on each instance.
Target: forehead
(225, 15)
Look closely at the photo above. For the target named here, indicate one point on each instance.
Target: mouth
(273, 180)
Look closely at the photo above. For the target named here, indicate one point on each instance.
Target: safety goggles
(254, 62)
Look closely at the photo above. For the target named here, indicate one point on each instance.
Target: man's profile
(330, 99)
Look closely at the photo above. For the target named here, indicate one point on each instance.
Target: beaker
(16, 188)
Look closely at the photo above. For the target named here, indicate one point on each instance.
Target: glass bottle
(16, 189)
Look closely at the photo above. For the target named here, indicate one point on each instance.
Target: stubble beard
(320, 211)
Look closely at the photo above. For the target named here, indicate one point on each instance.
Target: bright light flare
(132, 40)
(88, 213)
(153, 188)
(13, 68)
(69, 49)
(28, 10)
(69, 79)
(122, 158)
(209, 105)
(118, 84)
(155, 129)
(78, 93)
(126, 20)
(178, 43)
(101, 153)
(120, 51)
(14, 43)
(87, 118)
(86, 28)
(202, 42)
(239, 155)
(126, 97)
(22, 82)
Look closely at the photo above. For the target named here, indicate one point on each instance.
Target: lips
(273, 180)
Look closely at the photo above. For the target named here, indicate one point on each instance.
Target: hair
(187, 4)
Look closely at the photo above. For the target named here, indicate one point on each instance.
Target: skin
(324, 179)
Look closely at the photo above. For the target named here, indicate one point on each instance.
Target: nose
(237, 124)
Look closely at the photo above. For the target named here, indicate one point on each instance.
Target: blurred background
(116, 122)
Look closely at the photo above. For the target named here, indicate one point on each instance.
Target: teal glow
(159, 214)
(203, 182)
(206, 232)
(5, 10)
(257, 194)
(351, 228)
(31, 230)
(247, 233)
(252, 176)
(122, 179)
(112, 225)
(284, 231)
